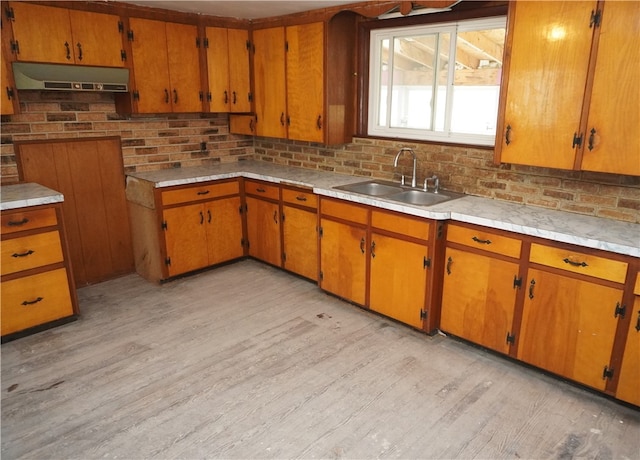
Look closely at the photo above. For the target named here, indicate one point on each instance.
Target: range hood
(60, 77)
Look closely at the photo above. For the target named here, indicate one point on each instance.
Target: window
(437, 82)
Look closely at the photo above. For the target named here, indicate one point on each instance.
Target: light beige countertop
(587, 231)
(23, 195)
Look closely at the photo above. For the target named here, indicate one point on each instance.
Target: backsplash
(169, 141)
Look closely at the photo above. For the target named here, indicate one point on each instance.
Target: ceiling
(243, 9)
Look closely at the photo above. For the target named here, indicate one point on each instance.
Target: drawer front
(485, 240)
(400, 224)
(32, 251)
(262, 190)
(344, 210)
(308, 199)
(18, 221)
(200, 192)
(34, 300)
(636, 287)
(577, 262)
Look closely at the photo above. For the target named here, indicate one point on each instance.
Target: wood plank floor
(246, 361)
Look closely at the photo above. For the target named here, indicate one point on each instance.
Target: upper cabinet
(165, 66)
(569, 97)
(304, 80)
(58, 35)
(228, 69)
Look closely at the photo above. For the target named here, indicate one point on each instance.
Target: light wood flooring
(246, 361)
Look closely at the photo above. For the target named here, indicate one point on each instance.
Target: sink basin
(421, 198)
(374, 188)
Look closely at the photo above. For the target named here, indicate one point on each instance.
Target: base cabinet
(300, 232)
(629, 382)
(263, 221)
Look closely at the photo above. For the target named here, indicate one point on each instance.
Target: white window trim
(376, 36)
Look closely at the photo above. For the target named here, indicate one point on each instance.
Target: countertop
(22, 195)
(587, 231)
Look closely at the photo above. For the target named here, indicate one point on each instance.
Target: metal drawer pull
(203, 192)
(31, 302)
(301, 198)
(373, 249)
(260, 189)
(24, 254)
(638, 322)
(575, 264)
(449, 262)
(362, 245)
(275, 216)
(14, 223)
(531, 286)
(478, 240)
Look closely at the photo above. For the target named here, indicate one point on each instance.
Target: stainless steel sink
(401, 194)
(373, 188)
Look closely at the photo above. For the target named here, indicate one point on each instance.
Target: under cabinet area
(37, 286)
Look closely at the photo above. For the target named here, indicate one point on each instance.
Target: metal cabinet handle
(79, 51)
(319, 122)
(478, 240)
(32, 302)
(17, 223)
(531, 286)
(507, 135)
(638, 322)
(260, 190)
(362, 245)
(275, 216)
(226, 97)
(175, 96)
(22, 254)
(68, 48)
(449, 263)
(201, 218)
(575, 264)
(373, 249)
(209, 215)
(301, 198)
(235, 97)
(203, 192)
(166, 96)
(592, 139)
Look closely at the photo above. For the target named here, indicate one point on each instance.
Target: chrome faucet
(436, 183)
(415, 163)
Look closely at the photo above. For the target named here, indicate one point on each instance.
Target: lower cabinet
(480, 286)
(629, 381)
(263, 221)
(37, 284)
(300, 232)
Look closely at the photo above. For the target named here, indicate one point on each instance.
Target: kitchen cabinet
(263, 221)
(228, 69)
(629, 382)
(571, 312)
(300, 232)
(295, 70)
(557, 49)
(202, 226)
(399, 258)
(165, 67)
(37, 284)
(344, 249)
(242, 124)
(64, 36)
(481, 282)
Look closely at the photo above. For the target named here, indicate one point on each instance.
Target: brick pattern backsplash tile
(172, 141)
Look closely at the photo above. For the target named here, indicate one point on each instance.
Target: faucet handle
(425, 186)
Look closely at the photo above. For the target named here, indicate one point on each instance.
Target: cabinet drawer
(400, 224)
(308, 199)
(32, 251)
(262, 190)
(27, 220)
(344, 210)
(485, 240)
(577, 262)
(201, 192)
(34, 300)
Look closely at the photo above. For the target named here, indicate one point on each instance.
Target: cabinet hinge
(320, 231)
(15, 46)
(9, 93)
(284, 256)
(167, 261)
(205, 42)
(201, 95)
(248, 44)
(511, 339)
(620, 310)
(423, 314)
(8, 11)
(439, 230)
(123, 55)
(282, 217)
(577, 140)
(164, 225)
(286, 46)
(321, 275)
(596, 18)
(250, 97)
(130, 35)
(517, 282)
(120, 26)
(607, 373)
(426, 263)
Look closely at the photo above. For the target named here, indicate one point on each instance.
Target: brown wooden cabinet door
(263, 230)
(270, 82)
(185, 238)
(546, 75)
(305, 81)
(242, 124)
(224, 229)
(568, 326)
(151, 65)
(43, 33)
(218, 69)
(398, 280)
(239, 77)
(343, 260)
(97, 40)
(184, 67)
(612, 143)
(629, 382)
(300, 233)
(478, 298)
